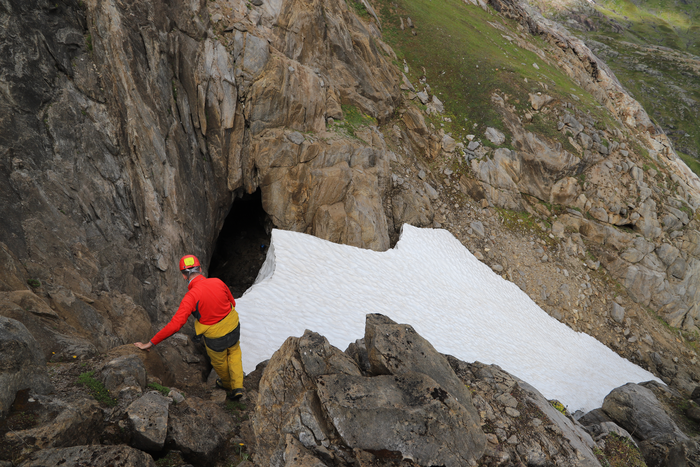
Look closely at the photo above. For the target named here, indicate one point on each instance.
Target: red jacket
(209, 299)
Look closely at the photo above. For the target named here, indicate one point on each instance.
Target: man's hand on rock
(143, 346)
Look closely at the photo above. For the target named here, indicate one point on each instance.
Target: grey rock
(124, 371)
(678, 268)
(295, 137)
(478, 228)
(176, 396)
(637, 410)
(448, 143)
(537, 101)
(432, 193)
(473, 145)
(22, 364)
(495, 136)
(198, 429)
(586, 141)
(256, 54)
(667, 253)
(94, 456)
(436, 106)
(148, 419)
(78, 422)
(423, 96)
(408, 413)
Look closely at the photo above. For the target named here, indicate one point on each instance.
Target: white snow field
(432, 282)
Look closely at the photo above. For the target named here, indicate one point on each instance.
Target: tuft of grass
(88, 42)
(96, 388)
(619, 452)
(160, 388)
(34, 283)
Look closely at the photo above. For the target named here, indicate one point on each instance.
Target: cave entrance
(242, 244)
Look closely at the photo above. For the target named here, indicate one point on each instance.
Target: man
(213, 306)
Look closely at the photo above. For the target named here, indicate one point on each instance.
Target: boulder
(406, 416)
(617, 312)
(537, 101)
(22, 365)
(198, 429)
(637, 410)
(78, 422)
(148, 420)
(125, 373)
(94, 456)
(311, 392)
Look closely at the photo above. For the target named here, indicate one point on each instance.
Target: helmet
(188, 261)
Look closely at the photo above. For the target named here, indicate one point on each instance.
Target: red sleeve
(178, 320)
(230, 297)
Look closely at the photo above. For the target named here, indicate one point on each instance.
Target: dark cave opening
(242, 244)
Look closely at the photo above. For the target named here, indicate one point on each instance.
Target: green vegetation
(34, 283)
(88, 42)
(353, 119)
(619, 452)
(160, 388)
(648, 44)
(359, 8)
(96, 388)
(466, 55)
(559, 406)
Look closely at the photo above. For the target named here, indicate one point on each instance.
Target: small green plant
(558, 405)
(174, 89)
(88, 42)
(34, 283)
(96, 388)
(160, 388)
(235, 406)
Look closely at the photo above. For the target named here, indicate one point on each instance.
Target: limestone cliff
(129, 129)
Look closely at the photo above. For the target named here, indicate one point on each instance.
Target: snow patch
(432, 282)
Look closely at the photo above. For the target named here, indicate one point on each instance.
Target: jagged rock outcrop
(315, 394)
(22, 366)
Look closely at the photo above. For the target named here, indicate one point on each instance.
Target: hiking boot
(220, 384)
(235, 394)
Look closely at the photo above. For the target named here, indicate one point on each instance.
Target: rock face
(317, 395)
(96, 456)
(21, 364)
(110, 123)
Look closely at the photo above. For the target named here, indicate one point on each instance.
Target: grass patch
(160, 388)
(619, 452)
(648, 44)
(34, 283)
(692, 163)
(353, 119)
(96, 388)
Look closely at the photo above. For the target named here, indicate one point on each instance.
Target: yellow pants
(227, 364)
